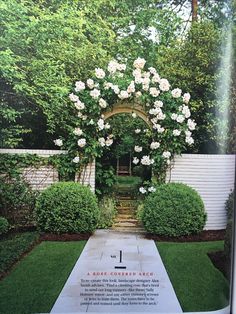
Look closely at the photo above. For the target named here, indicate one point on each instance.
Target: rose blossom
(139, 63)
(151, 189)
(90, 83)
(95, 93)
(176, 132)
(79, 105)
(191, 124)
(79, 86)
(102, 141)
(102, 103)
(155, 145)
(166, 154)
(77, 131)
(142, 190)
(138, 149)
(154, 92)
(146, 161)
(99, 73)
(176, 93)
(164, 85)
(58, 142)
(76, 159)
(123, 94)
(73, 97)
(186, 98)
(135, 160)
(81, 142)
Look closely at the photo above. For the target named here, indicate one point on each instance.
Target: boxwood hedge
(67, 207)
(175, 209)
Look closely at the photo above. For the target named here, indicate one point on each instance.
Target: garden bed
(206, 235)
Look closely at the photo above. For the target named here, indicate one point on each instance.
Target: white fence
(211, 175)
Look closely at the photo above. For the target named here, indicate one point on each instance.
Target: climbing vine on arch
(167, 110)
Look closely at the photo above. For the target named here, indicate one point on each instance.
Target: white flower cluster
(135, 160)
(95, 93)
(102, 103)
(76, 160)
(114, 66)
(164, 85)
(105, 142)
(155, 145)
(151, 189)
(99, 73)
(147, 161)
(186, 98)
(79, 86)
(137, 131)
(176, 93)
(166, 154)
(78, 131)
(154, 92)
(81, 142)
(139, 63)
(123, 94)
(176, 132)
(58, 142)
(90, 83)
(138, 149)
(158, 127)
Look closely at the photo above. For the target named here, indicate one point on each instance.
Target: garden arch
(127, 107)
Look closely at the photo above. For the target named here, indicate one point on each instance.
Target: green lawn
(35, 283)
(198, 284)
(128, 180)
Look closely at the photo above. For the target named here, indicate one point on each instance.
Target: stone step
(124, 197)
(129, 229)
(128, 221)
(126, 207)
(125, 216)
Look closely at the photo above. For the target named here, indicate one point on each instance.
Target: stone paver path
(118, 272)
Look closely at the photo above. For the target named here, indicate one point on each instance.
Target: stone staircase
(125, 220)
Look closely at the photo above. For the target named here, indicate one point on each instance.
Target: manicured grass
(35, 283)
(128, 180)
(199, 286)
(13, 245)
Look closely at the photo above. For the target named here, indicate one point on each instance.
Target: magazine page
(117, 156)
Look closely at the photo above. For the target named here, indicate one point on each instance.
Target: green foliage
(229, 207)
(105, 179)
(67, 207)
(17, 201)
(193, 63)
(11, 165)
(175, 209)
(107, 206)
(139, 212)
(4, 225)
(13, 246)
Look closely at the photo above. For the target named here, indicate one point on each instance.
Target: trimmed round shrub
(175, 209)
(4, 225)
(67, 207)
(229, 206)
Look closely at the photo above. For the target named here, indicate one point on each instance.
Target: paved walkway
(118, 272)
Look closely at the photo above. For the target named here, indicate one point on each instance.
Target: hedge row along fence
(211, 175)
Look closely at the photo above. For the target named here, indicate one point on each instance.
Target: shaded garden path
(118, 272)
